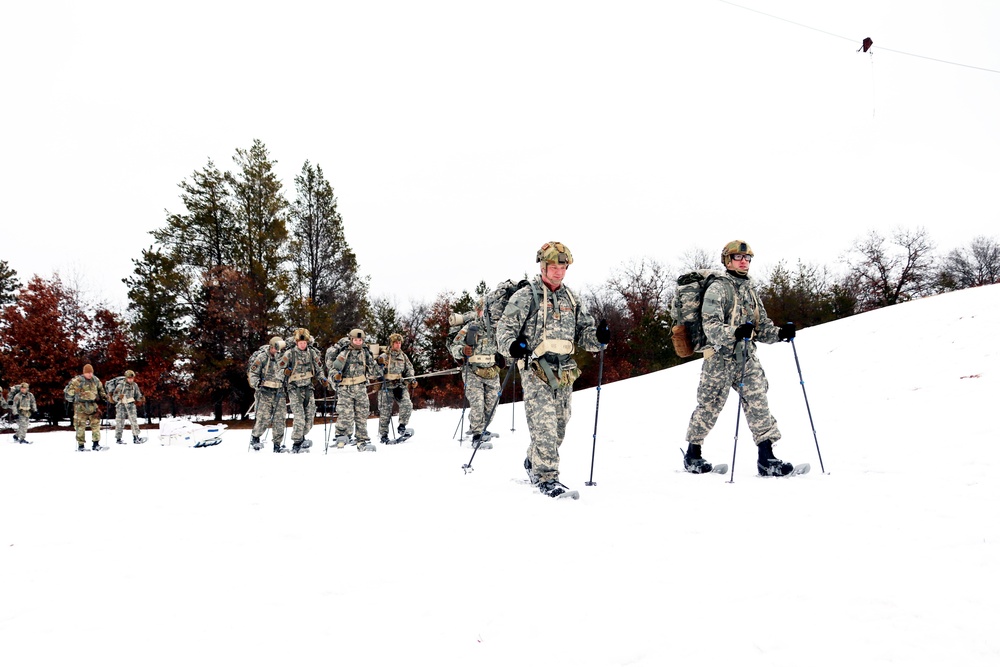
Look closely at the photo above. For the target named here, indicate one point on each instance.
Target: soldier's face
(24, 390)
(555, 273)
(89, 376)
(130, 380)
(396, 345)
(358, 342)
(742, 265)
(302, 344)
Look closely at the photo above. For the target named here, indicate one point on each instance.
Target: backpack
(111, 385)
(66, 395)
(687, 333)
(497, 300)
(261, 351)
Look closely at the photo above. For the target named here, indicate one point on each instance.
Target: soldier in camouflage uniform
(125, 397)
(733, 317)
(542, 325)
(85, 391)
(22, 405)
(268, 383)
(481, 374)
(302, 366)
(395, 366)
(351, 370)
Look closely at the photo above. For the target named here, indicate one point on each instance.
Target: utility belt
(393, 376)
(487, 359)
(128, 400)
(554, 346)
(270, 384)
(294, 377)
(358, 379)
(546, 369)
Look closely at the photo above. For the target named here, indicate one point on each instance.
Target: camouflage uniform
(730, 301)
(481, 374)
(266, 378)
(85, 394)
(395, 366)
(302, 367)
(22, 404)
(125, 396)
(354, 366)
(560, 316)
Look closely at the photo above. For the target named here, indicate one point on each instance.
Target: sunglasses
(739, 258)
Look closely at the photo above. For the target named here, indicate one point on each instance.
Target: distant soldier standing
(84, 391)
(302, 366)
(395, 366)
(265, 376)
(125, 397)
(481, 374)
(351, 370)
(22, 405)
(542, 326)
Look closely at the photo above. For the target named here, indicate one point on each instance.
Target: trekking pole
(513, 396)
(808, 411)
(461, 419)
(388, 401)
(467, 467)
(739, 406)
(593, 450)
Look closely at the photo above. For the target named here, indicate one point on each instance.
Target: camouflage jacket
(559, 316)
(264, 370)
(730, 296)
(85, 393)
(395, 367)
(23, 403)
(354, 363)
(305, 366)
(482, 351)
(127, 392)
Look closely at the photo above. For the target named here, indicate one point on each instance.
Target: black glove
(744, 331)
(603, 333)
(519, 348)
(786, 331)
(499, 360)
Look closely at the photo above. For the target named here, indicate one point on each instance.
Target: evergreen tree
(9, 284)
(260, 212)
(328, 295)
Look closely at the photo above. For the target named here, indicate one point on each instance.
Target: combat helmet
(734, 247)
(301, 334)
(553, 252)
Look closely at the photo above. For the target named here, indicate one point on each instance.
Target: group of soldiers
(287, 377)
(540, 327)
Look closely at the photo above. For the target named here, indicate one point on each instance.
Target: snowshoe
(80, 448)
(343, 441)
(300, 447)
(487, 433)
(119, 442)
(553, 488)
(280, 449)
(365, 446)
(773, 468)
(97, 447)
(138, 440)
(698, 466)
(384, 439)
(403, 435)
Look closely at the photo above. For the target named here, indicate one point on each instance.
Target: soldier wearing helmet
(126, 396)
(475, 346)
(22, 405)
(302, 367)
(396, 367)
(542, 326)
(734, 320)
(352, 369)
(268, 383)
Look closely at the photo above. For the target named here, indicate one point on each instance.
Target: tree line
(241, 263)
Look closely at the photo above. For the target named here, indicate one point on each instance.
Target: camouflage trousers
(386, 398)
(303, 403)
(22, 425)
(270, 413)
(123, 411)
(719, 374)
(548, 411)
(483, 395)
(352, 411)
(81, 420)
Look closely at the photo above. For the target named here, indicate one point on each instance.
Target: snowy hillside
(170, 555)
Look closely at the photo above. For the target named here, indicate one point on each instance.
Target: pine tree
(328, 294)
(9, 284)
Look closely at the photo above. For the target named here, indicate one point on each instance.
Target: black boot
(693, 462)
(279, 448)
(767, 464)
(384, 439)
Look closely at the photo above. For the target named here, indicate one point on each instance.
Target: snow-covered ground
(170, 555)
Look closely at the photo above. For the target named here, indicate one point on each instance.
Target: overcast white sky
(460, 136)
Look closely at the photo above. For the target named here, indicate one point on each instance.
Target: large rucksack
(112, 385)
(687, 332)
(497, 300)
